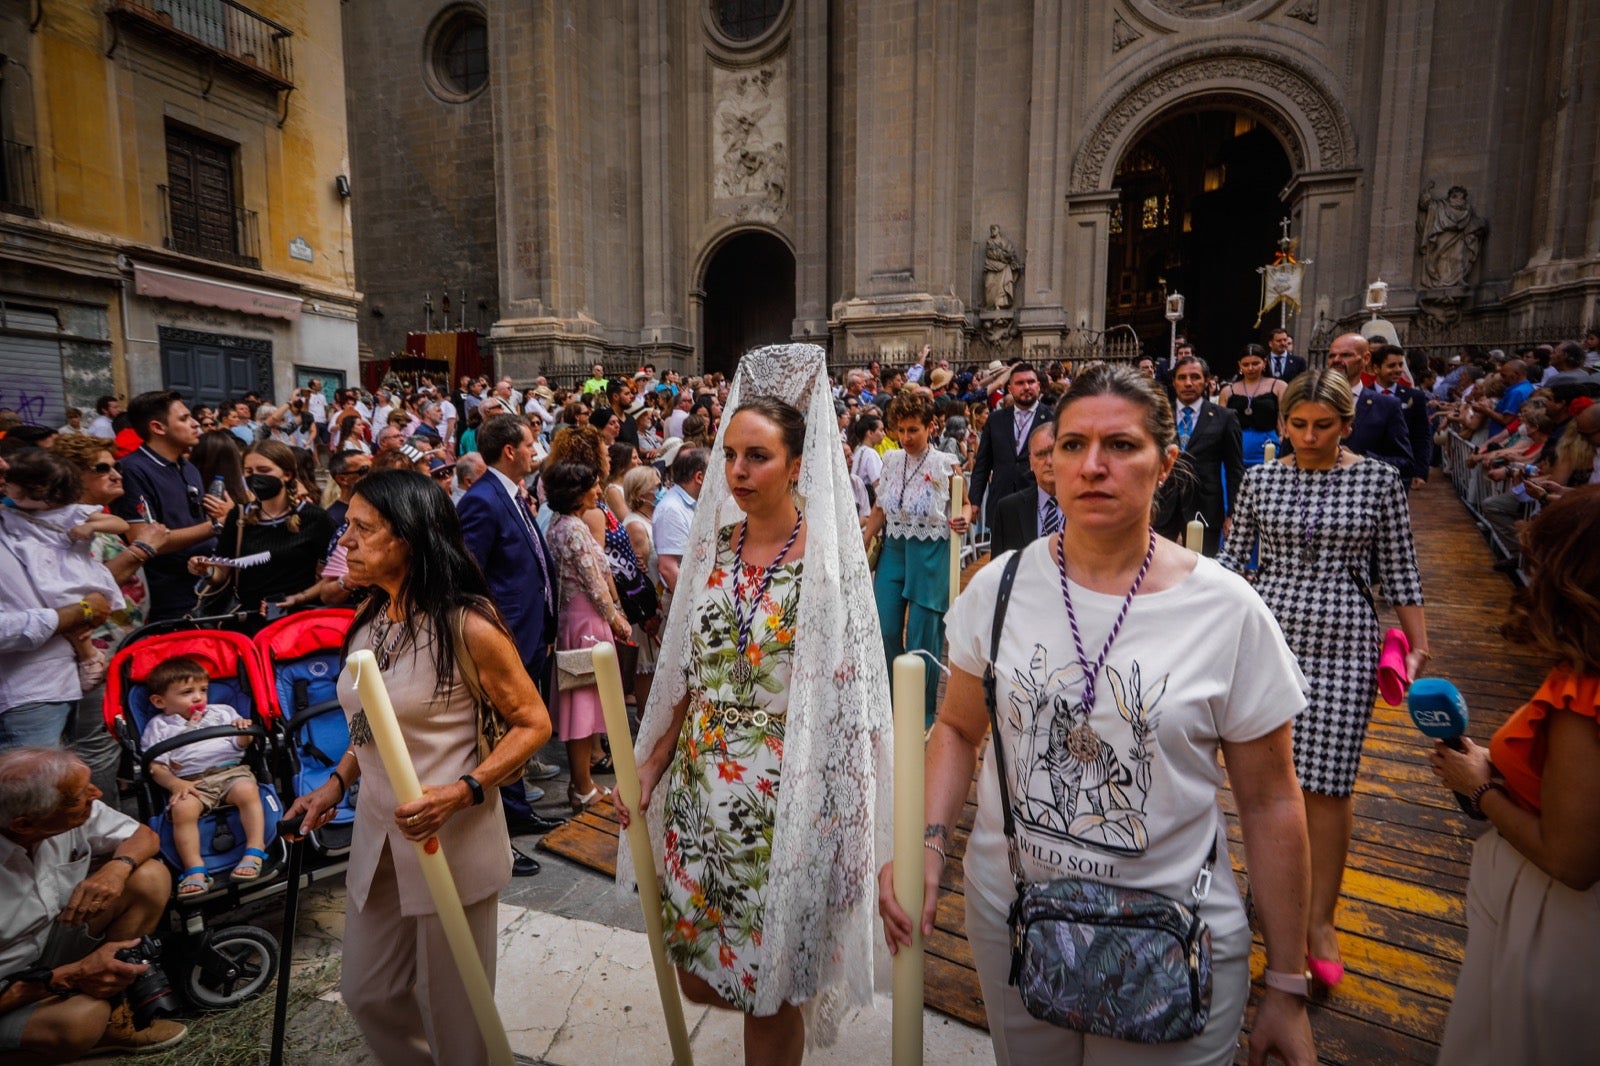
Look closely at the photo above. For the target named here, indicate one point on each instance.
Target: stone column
(808, 169)
(1324, 205)
(1086, 243)
(665, 332)
(1397, 164)
(1043, 318)
(903, 292)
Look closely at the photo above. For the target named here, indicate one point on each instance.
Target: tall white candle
(958, 500)
(608, 679)
(363, 667)
(1269, 452)
(910, 681)
(1194, 536)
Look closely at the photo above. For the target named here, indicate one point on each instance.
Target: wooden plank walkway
(1402, 920)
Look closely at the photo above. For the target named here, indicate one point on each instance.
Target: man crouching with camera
(80, 883)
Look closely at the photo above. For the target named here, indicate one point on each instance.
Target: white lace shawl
(915, 494)
(835, 803)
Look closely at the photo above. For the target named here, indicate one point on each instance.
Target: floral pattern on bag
(1114, 962)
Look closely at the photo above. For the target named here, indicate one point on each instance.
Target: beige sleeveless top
(441, 732)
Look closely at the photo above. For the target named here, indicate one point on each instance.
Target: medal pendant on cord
(741, 671)
(1083, 743)
(1309, 553)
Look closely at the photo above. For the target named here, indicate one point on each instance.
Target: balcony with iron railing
(248, 44)
(231, 236)
(19, 179)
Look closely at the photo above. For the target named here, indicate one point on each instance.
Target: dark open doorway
(749, 300)
(1198, 213)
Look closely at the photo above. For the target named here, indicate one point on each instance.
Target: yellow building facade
(174, 201)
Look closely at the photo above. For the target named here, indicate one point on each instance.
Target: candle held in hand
(910, 681)
(1269, 452)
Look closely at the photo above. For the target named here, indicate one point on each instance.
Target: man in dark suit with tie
(1210, 464)
(1028, 514)
(1380, 430)
(1281, 362)
(1388, 380)
(1001, 467)
(497, 522)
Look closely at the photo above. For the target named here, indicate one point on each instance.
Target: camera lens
(150, 995)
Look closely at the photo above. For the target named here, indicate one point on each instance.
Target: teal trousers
(912, 588)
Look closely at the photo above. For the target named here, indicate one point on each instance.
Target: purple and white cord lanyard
(1312, 519)
(1083, 743)
(742, 672)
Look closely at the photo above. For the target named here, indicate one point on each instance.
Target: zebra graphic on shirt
(1092, 800)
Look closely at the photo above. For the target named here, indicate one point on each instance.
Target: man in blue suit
(1388, 369)
(1281, 362)
(1380, 430)
(497, 520)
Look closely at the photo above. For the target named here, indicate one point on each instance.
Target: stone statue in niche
(749, 126)
(1001, 269)
(1449, 237)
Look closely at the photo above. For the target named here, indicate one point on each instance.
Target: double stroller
(283, 683)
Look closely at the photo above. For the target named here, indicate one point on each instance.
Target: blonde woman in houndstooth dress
(1323, 516)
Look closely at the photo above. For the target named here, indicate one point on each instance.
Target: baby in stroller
(199, 776)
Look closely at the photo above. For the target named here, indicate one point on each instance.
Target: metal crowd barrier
(1473, 485)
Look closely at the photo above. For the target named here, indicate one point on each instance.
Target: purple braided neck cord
(746, 624)
(1092, 671)
(1309, 519)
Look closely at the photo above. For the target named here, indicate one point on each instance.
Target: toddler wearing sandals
(201, 775)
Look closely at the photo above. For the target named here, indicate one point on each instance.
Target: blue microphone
(1440, 711)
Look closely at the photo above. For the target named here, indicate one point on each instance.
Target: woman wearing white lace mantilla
(771, 746)
(912, 586)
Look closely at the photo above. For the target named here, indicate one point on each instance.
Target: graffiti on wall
(37, 403)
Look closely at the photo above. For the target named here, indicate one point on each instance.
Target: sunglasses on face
(443, 475)
(208, 423)
(106, 468)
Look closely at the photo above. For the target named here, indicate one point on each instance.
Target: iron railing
(19, 179)
(251, 45)
(237, 241)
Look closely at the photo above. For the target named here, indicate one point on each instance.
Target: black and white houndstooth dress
(1321, 532)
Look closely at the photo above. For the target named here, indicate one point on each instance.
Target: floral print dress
(722, 790)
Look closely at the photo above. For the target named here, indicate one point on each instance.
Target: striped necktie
(1052, 517)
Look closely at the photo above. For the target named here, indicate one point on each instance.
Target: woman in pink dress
(588, 614)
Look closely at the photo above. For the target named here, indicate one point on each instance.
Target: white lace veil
(835, 800)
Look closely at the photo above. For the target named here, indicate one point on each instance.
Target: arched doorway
(749, 298)
(1198, 212)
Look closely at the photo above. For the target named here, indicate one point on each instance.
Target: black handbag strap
(1008, 578)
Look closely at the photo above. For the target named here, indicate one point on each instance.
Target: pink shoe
(1325, 972)
(1393, 681)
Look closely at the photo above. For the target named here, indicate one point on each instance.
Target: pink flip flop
(1393, 681)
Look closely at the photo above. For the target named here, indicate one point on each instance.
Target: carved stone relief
(1122, 34)
(749, 135)
(1201, 9)
(1333, 138)
(1305, 11)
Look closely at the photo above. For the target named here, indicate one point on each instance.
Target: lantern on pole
(1174, 314)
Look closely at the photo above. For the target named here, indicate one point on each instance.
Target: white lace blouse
(915, 494)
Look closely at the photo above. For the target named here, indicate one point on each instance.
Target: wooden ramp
(1403, 917)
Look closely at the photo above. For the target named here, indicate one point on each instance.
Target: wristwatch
(44, 976)
(475, 787)
(1296, 984)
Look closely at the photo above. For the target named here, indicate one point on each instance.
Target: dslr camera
(150, 996)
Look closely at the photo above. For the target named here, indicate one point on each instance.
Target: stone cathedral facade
(674, 180)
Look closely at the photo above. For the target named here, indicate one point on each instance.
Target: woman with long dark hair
(441, 647)
(1254, 398)
(217, 454)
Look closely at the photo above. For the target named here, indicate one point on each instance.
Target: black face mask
(264, 486)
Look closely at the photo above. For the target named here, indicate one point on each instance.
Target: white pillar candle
(363, 667)
(910, 681)
(608, 679)
(958, 498)
(1269, 452)
(1194, 537)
